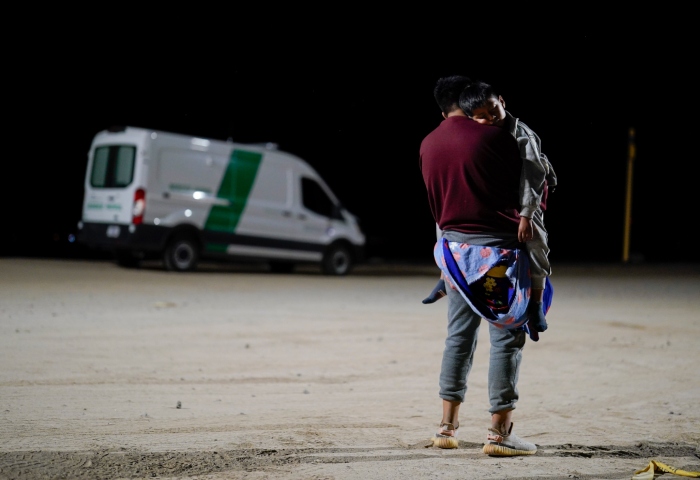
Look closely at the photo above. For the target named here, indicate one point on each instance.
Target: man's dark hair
(475, 95)
(447, 90)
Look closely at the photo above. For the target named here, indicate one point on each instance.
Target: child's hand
(525, 230)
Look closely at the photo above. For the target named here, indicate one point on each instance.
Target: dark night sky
(356, 108)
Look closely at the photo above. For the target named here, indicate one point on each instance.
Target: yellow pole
(628, 199)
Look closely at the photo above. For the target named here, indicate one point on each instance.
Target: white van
(151, 194)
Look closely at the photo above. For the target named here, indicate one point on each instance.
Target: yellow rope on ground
(647, 473)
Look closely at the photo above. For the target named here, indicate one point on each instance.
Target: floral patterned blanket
(495, 282)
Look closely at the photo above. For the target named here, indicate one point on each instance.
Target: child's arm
(551, 176)
(534, 171)
(525, 230)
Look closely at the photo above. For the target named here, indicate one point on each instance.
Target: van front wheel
(181, 254)
(337, 260)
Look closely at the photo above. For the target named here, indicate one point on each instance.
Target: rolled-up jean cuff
(501, 408)
(452, 398)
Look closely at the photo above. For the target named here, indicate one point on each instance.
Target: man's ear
(502, 102)
(444, 115)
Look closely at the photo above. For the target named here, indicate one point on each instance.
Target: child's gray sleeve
(551, 176)
(534, 172)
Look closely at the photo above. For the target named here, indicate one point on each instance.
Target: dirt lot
(233, 372)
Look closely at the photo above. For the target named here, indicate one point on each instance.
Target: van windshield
(113, 166)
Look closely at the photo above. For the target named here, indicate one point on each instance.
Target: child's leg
(538, 252)
(439, 290)
(536, 320)
(437, 293)
(536, 294)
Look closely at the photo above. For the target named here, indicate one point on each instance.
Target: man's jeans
(504, 360)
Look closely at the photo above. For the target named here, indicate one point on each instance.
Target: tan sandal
(446, 437)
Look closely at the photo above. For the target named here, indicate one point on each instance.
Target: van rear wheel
(337, 260)
(181, 254)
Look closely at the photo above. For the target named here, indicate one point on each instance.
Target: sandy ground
(232, 372)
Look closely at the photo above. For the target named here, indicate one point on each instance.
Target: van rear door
(108, 191)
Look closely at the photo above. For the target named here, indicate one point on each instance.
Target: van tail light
(139, 206)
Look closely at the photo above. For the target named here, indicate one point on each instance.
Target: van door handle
(286, 214)
(166, 195)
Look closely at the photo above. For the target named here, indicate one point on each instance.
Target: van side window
(314, 198)
(113, 166)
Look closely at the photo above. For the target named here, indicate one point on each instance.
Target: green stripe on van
(235, 187)
(216, 247)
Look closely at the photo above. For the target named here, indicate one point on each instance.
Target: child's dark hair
(475, 95)
(447, 90)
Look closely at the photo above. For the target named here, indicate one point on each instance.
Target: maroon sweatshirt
(472, 177)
